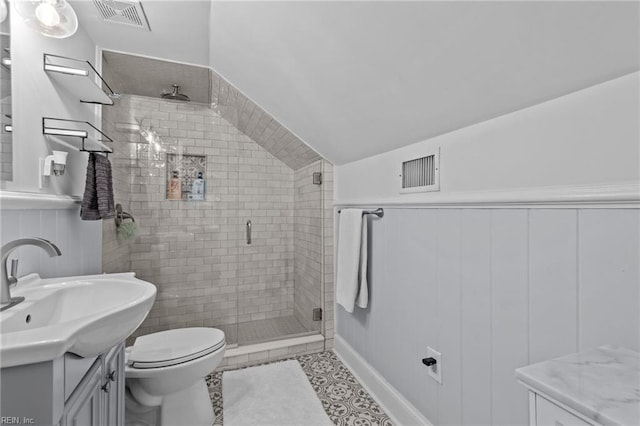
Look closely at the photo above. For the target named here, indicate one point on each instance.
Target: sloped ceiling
(137, 75)
(353, 79)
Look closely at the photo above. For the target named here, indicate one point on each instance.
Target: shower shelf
(79, 78)
(91, 139)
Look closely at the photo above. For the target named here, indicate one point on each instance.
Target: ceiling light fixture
(52, 18)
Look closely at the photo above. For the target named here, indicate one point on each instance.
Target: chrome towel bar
(378, 212)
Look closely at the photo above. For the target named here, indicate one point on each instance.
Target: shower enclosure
(248, 257)
(279, 280)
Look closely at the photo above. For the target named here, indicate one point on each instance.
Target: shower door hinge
(317, 314)
(317, 178)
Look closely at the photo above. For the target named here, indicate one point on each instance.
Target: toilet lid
(172, 347)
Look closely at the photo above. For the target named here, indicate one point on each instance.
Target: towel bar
(378, 212)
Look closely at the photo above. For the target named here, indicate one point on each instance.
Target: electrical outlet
(435, 371)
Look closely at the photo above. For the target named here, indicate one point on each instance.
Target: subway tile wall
(328, 274)
(196, 252)
(259, 125)
(116, 255)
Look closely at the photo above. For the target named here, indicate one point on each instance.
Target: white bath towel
(351, 283)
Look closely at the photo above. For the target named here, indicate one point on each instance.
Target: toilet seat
(172, 347)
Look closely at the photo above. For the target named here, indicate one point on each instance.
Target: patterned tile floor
(343, 398)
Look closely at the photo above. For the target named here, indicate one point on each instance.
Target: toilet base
(136, 414)
(187, 407)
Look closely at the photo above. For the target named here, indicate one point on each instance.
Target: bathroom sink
(85, 315)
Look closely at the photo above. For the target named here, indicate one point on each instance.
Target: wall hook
(122, 215)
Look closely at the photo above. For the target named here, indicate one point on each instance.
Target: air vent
(421, 174)
(125, 12)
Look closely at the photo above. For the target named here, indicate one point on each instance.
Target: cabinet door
(114, 376)
(85, 404)
(549, 414)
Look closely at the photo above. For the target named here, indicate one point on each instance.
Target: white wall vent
(127, 12)
(421, 174)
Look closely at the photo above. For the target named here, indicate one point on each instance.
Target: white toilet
(165, 376)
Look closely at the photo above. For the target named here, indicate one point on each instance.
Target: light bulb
(47, 14)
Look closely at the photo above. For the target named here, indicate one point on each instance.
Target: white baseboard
(401, 411)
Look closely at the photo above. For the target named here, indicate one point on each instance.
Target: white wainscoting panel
(608, 275)
(492, 290)
(509, 313)
(79, 241)
(475, 316)
(552, 284)
(411, 242)
(448, 309)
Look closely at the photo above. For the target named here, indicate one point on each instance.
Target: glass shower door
(187, 245)
(280, 251)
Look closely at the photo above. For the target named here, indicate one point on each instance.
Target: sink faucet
(6, 301)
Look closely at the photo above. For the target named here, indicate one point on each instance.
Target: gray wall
(35, 95)
(492, 290)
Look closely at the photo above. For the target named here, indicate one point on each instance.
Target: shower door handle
(248, 232)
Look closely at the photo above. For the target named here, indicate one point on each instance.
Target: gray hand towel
(98, 192)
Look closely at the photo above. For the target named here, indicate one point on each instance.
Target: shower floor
(264, 330)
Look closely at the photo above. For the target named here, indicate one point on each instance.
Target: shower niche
(186, 176)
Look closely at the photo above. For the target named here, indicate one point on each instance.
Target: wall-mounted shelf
(90, 138)
(79, 78)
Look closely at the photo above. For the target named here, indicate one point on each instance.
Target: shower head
(175, 95)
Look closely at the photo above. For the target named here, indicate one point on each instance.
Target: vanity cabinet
(114, 374)
(543, 412)
(66, 391)
(593, 387)
(85, 405)
(99, 397)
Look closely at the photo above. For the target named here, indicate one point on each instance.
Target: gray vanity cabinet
(99, 397)
(114, 374)
(66, 391)
(85, 405)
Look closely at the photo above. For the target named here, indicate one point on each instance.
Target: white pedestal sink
(85, 315)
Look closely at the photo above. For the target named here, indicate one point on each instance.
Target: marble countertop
(602, 384)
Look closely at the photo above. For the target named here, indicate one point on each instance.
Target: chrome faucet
(7, 279)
